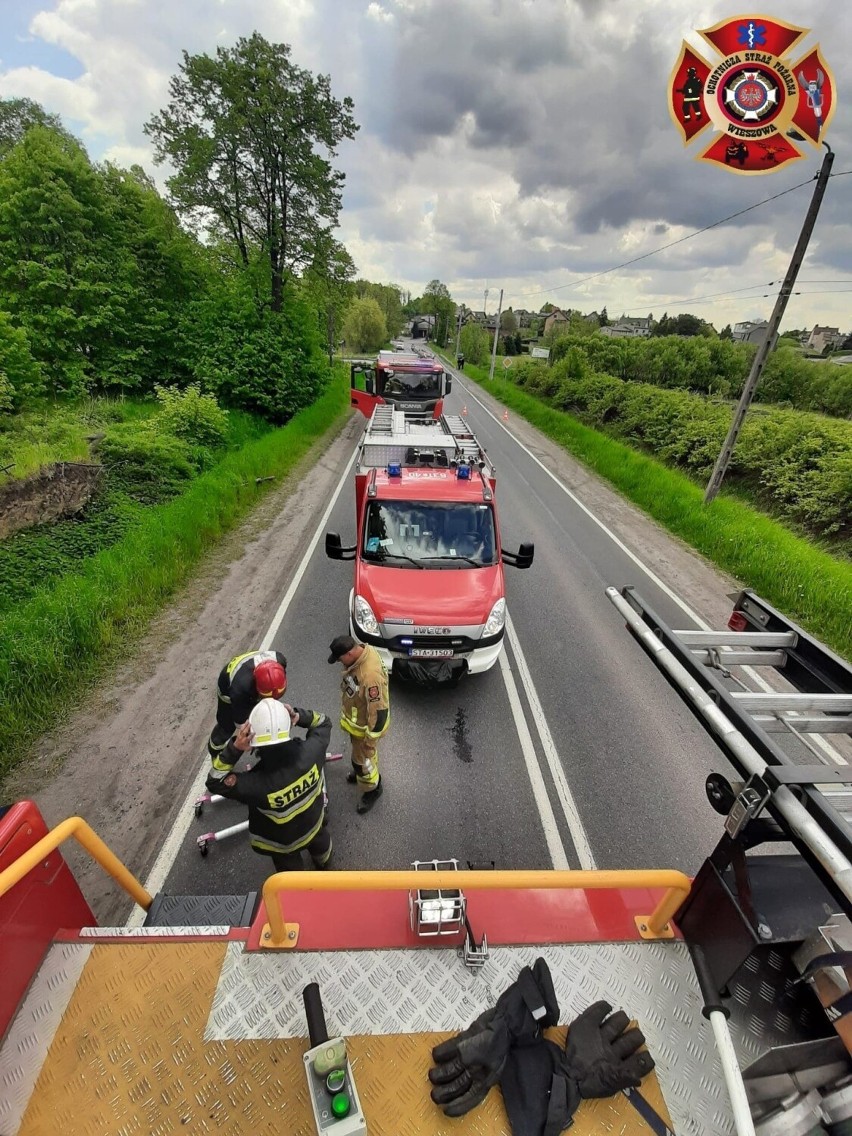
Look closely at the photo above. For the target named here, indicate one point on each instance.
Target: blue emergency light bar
(394, 469)
(463, 473)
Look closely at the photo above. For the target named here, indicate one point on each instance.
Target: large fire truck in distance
(414, 382)
(429, 591)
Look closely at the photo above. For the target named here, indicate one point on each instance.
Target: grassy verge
(811, 586)
(62, 636)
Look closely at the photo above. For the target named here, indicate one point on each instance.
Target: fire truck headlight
(496, 620)
(364, 616)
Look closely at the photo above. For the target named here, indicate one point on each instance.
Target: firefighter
(242, 683)
(285, 789)
(364, 713)
(691, 91)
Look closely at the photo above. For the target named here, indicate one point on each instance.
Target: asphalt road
(618, 763)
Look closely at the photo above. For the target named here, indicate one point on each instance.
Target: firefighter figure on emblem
(364, 713)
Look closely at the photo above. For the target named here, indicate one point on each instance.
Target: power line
(671, 244)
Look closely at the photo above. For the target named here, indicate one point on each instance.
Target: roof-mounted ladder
(810, 784)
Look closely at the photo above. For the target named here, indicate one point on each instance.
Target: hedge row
(797, 465)
(56, 641)
(716, 367)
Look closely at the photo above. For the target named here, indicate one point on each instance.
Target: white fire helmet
(270, 723)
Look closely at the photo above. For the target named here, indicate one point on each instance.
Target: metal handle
(317, 1029)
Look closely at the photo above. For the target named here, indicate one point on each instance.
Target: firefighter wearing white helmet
(284, 791)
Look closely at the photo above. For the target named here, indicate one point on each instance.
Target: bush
(149, 467)
(799, 465)
(717, 367)
(191, 415)
(20, 376)
(269, 363)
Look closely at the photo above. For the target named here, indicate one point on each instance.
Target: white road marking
(555, 847)
(826, 747)
(570, 811)
(173, 842)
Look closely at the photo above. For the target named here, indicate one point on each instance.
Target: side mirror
(449, 382)
(369, 385)
(334, 550)
(522, 558)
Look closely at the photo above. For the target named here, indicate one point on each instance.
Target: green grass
(55, 643)
(56, 432)
(791, 572)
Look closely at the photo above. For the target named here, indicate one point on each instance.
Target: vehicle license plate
(431, 652)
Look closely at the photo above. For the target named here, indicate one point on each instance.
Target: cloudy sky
(524, 145)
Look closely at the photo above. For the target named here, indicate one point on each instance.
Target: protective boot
(367, 800)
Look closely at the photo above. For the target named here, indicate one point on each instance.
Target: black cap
(340, 646)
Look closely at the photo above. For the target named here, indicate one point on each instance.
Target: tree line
(231, 281)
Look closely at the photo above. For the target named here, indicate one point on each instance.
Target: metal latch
(750, 801)
(474, 954)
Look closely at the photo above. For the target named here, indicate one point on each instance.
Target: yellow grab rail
(277, 933)
(89, 839)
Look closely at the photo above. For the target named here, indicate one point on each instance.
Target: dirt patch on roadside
(125, 759)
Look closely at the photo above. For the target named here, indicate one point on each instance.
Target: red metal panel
(33, 910)
(371, 920)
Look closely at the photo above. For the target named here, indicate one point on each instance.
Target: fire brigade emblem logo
(761, 107)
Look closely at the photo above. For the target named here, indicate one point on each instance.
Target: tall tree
(63, 268)
(17, 116)
(364, 328)
(328, 283)
(438, 302)
(248, 133)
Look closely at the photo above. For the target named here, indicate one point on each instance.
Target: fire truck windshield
(411, 384)
(451, 535)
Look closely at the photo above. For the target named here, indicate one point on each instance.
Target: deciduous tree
(250, 135)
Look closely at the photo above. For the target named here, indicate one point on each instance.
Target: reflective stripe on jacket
(364, 691)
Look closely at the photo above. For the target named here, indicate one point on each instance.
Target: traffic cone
(464, 411)
(505, 415)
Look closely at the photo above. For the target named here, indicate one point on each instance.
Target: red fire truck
(413, 382)
(206, 1018)
(429, 590)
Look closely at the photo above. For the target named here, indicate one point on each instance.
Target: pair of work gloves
(542, 1084)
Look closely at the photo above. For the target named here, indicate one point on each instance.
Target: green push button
(340, 1104)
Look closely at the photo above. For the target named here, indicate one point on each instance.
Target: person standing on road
(364, 713)
(285, 790)
(243, 682)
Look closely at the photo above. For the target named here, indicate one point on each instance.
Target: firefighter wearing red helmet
(242, 683)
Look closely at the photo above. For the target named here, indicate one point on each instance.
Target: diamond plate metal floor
(143, 1037)
(116, 1035)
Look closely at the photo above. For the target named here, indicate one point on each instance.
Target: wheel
(203, 848)
(199, 808)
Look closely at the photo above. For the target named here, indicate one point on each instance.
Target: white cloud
(378, 13)
(526, 143)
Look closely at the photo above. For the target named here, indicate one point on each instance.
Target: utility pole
(458, 331)
(496, 333)
(762, 355)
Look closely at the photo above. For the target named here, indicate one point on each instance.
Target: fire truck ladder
(756, 924)
(806, 787)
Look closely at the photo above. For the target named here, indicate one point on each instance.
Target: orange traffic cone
(464, 411)
(505, 415)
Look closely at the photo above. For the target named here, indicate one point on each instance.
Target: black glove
(601, 1053)
(540, 1095)
(468, 1065)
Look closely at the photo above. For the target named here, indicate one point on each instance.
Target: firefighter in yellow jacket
(364, 713)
